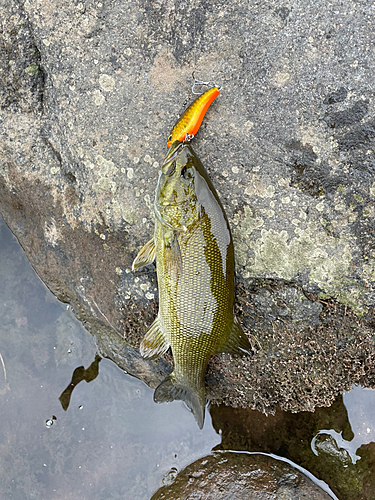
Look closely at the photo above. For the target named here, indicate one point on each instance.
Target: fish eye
(186, 173)
(170, 138)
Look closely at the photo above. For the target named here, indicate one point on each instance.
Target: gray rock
(224, 476)
(90, 91)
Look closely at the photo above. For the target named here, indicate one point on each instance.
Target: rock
(221, 476)
(89, 93)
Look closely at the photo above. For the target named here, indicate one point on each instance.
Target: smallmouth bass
(190, 121)
(194, 255)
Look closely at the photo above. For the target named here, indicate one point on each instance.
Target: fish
(189, 123)
(193, 248)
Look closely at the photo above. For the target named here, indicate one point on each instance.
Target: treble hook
(211, 83)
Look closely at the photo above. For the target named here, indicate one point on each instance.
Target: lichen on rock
(89, 94)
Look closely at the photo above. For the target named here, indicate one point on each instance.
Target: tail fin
(170, 390)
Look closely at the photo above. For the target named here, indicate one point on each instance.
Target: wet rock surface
(242, 476)
(90, 91)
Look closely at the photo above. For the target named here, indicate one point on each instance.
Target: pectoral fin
(237, 342)
(145, 256)
(155, 342)
(172, 255)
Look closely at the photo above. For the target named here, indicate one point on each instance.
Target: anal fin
(237, 342)
(155, 342)
(145, 256)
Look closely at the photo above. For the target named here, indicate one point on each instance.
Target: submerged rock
(241, 476)
(89, 93)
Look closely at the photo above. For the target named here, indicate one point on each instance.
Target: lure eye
(170, 138)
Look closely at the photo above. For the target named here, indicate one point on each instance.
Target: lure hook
(210, 83)
(188, 137)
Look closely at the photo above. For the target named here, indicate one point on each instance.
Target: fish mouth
(175, 150)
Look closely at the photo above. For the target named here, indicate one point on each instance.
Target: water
(112, 442)
(76, 426)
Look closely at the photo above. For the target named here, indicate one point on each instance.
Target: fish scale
(193, 305)
(195, 269)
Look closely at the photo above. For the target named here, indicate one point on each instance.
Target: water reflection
(331, 442)
(360, 404)
(325, 442)
(80, 374)
(113, 443)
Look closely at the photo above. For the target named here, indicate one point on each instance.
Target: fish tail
(172, 390)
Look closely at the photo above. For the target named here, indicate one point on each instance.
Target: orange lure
(189, 123)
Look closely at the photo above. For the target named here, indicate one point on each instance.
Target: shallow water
(112, 442)
(76, 426)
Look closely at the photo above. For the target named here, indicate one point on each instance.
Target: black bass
(195, 268)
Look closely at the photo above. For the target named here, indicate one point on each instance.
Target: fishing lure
(189, 123)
